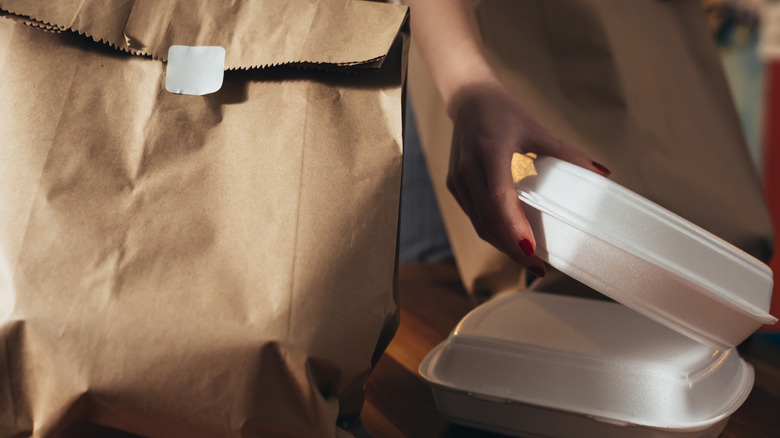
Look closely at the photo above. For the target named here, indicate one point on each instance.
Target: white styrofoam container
(644, 256)
(542, 365)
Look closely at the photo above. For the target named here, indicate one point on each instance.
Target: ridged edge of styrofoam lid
(591, 358)
(702, 276)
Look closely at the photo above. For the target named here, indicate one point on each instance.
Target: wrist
(467, 86)
(468, 72)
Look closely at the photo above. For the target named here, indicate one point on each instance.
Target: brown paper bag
(636, 85)
(196, 266)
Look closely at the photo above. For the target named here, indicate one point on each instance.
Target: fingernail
(527, 247)
(536, 270)
(601, 167)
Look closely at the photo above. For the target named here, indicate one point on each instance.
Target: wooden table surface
(399, 404)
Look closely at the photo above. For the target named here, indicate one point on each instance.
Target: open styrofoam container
(644, 256)
(543, 365)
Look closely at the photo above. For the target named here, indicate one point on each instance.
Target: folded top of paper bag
(257, 33)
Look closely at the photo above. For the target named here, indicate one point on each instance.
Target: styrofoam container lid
(587, 358)
(645, 256)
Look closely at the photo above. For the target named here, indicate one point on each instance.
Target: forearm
(447, 35)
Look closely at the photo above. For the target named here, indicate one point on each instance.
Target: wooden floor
(399, 404)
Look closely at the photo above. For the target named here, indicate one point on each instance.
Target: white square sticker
(195, 70)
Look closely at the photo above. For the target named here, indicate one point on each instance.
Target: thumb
(552, 146)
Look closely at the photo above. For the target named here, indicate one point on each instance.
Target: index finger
(502, 215)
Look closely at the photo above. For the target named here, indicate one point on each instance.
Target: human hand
(490, 125)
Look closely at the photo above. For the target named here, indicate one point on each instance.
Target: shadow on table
(455, 431)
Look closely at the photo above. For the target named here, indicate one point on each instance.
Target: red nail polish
(601, 167)
(539, 272)
(527, 247)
